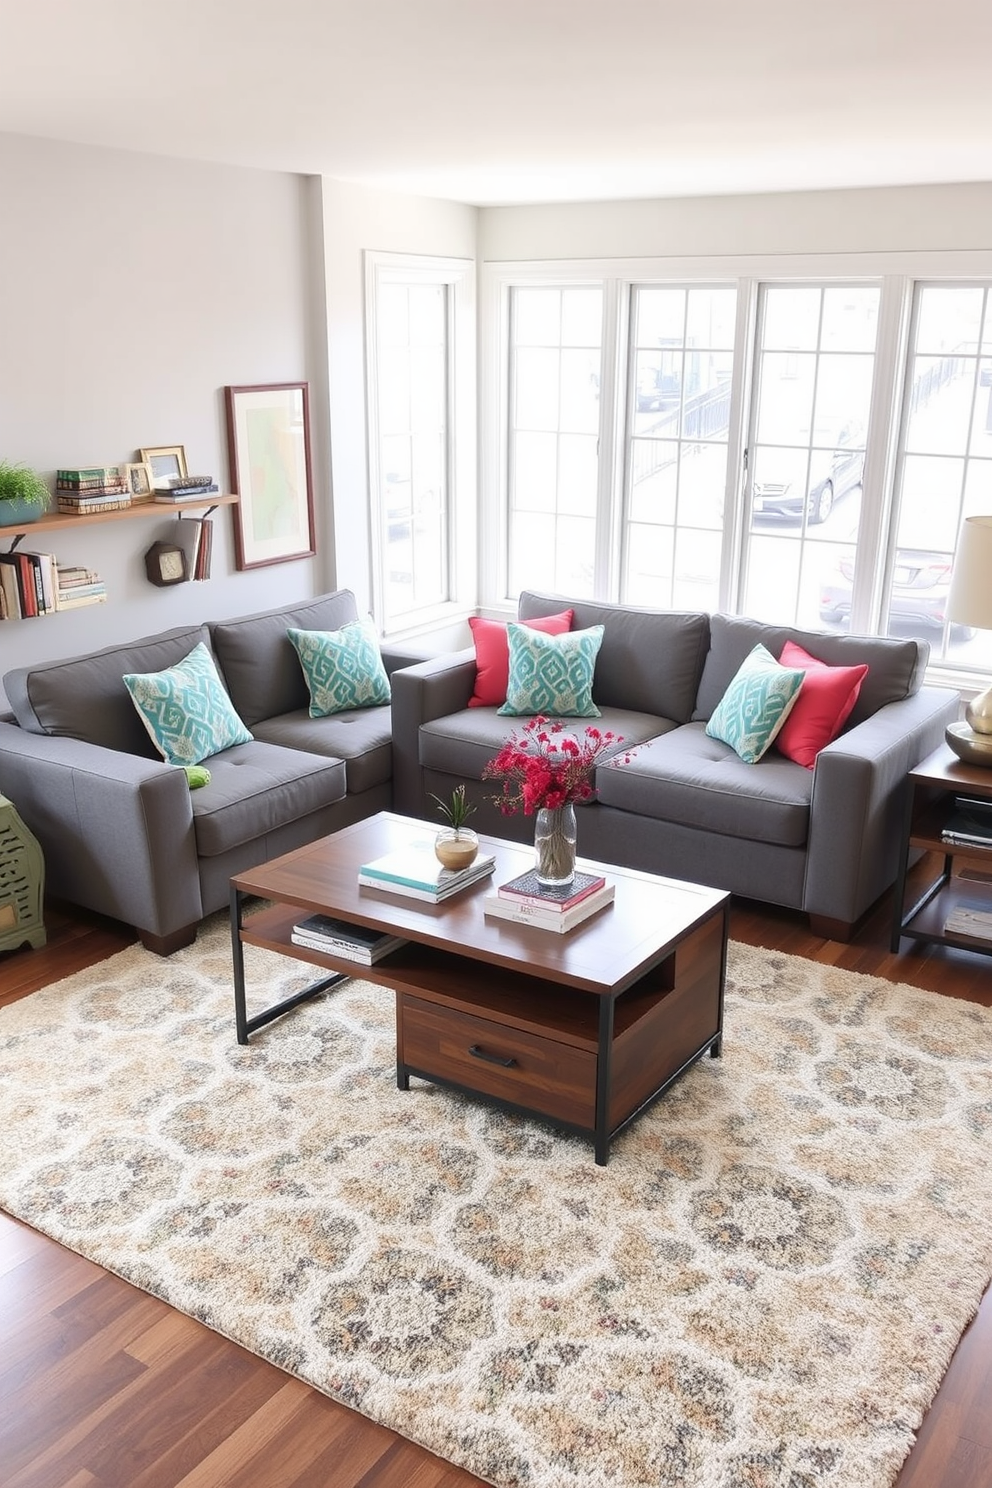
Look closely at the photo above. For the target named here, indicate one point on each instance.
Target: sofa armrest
(394, 657)
(431, 689)
(116, 830)
(859, 784)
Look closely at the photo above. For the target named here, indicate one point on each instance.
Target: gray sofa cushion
(361, 737)
(462, 743)
(256, 788)
(650, 660)
(895, 668)
(261, 667)
(688, 778)
(85, 698)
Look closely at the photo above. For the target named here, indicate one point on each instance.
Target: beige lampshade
(970, 599)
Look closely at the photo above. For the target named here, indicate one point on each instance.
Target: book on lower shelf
(970, 823)
(527, 888)
(414, 871)
(320, 932)
(559, 922)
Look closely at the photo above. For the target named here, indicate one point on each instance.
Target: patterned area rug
(762, 1289)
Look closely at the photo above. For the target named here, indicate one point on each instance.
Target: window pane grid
(814, 370)
(553, 445)
(412, 346)
(678, 420)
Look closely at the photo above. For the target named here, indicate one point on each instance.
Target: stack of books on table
(970, 824)
(76, 587)
(319, 932)
(415, 872)
(87, 490)
(527, 902)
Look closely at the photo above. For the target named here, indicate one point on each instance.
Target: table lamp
(970, 603)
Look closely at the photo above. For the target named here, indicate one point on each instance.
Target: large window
(417, 402)
(800, 446)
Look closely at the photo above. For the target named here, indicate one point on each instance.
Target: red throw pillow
(492, 654)
(820, 711)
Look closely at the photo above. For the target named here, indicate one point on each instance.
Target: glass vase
(554, 845)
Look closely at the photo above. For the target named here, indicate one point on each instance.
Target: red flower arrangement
(544, 768)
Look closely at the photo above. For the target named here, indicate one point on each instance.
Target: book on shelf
(71, 576)
(335, 937)
(521, 913)
(89, 488)
(76, 473)
(526, 888)
(415, 872)
(976, 923)
(95, 507)
(10, 584)
(190, 493)
(78, 602)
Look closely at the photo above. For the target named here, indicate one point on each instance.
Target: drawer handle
(478, 1053)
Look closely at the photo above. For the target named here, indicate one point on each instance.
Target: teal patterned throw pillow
(186, 709)
(755, 705)
(343, 667)
(552, 674)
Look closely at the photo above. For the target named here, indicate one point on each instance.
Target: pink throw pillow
(822, 708)
(492, 654)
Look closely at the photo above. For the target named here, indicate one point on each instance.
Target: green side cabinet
(22, 882)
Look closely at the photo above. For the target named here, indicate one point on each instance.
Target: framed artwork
(268, 433)
(139, 482)
(165, 462)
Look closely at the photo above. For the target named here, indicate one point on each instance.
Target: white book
(346, 952)
(415, 871)
(523, 914)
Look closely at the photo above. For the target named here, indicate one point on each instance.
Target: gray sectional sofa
(122, 832)
(823, 840)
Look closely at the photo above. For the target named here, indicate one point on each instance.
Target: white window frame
(458, 275)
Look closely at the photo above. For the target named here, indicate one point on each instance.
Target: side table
(931, 792)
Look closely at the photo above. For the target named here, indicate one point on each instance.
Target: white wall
(888, 220)
(356, 219)
(133, 289)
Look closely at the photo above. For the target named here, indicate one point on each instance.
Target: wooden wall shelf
(54, 521)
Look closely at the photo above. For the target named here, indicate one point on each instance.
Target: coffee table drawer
(493, 1059)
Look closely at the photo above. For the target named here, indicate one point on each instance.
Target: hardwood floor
(103, 1386)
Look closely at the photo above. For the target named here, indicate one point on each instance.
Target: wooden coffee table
(585, 1028)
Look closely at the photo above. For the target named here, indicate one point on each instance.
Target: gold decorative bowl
(972, 748)
(456, 849)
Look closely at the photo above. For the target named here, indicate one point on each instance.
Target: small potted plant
(456, 844)
(24, 497)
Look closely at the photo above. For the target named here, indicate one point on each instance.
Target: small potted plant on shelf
(456, 844)
(24, 497)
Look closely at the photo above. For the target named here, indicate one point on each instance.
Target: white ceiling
(497, 101)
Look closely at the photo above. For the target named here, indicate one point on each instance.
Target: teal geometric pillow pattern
(186, 709)
(343, 667)
(552, 674)
(755, 705)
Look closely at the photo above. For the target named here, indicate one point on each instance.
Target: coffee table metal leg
(243, 1023)
(603, 1056)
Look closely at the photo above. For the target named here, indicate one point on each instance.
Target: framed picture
(139, 482)
(165, 462)
(268, 432)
